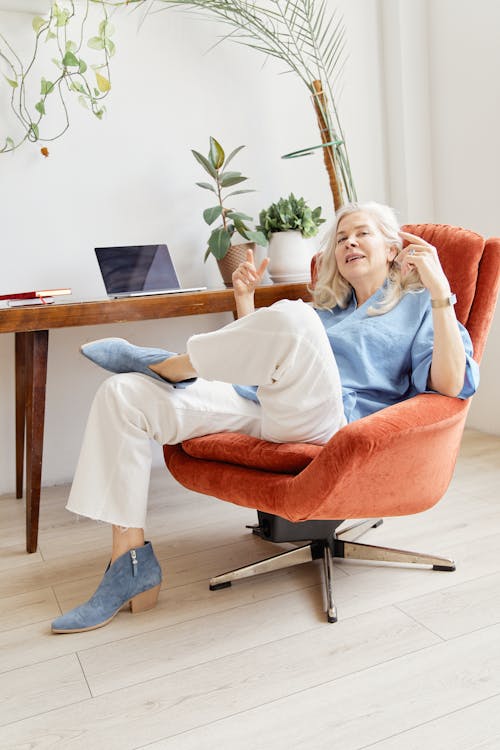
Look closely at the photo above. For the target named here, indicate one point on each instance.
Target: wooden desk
(31, 326)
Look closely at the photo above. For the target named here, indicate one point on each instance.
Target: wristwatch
(446, 302)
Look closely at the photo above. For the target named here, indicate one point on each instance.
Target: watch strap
(446, 302)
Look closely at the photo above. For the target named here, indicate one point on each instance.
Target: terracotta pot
(230, 262)
(290, 256)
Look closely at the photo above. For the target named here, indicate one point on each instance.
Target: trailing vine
(64, 29)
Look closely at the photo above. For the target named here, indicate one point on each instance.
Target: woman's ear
(393, 251)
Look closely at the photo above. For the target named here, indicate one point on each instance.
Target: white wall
(440, 62)
(406, 76)
(465, 103)
(130, 179)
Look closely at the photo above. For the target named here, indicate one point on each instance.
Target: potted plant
(219, 243)
(290, 226)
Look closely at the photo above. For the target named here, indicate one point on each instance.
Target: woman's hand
(422, 256)
(247, 277)
(245, 280)
(446, 374)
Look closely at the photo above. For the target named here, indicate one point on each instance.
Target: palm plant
(311, 43)
(309, 40)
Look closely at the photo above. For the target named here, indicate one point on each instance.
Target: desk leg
(36, 377)
(21, 352)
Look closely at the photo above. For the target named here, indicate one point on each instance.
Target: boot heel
(144, 601)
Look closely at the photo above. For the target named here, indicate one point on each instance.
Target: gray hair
(331, 289)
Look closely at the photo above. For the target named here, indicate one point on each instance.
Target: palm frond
(306, 36)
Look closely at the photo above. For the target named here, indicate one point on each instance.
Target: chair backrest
(487, 288)
(472, 267)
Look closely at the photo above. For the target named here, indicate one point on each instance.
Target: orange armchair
(304, 492)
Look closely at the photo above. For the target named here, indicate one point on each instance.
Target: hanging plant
(64, 29)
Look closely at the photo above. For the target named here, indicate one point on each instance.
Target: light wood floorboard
(413, 661)
(355, 710)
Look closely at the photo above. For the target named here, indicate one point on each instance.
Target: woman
(383, 329)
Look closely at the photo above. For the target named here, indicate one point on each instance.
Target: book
(40, 301)
(40, 294)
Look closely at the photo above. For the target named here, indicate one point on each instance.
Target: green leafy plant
(215, 164)
(64, 28)
(290, 214)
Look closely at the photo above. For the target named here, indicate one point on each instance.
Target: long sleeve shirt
(384, 359)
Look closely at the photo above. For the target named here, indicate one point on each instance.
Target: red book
(36, 294)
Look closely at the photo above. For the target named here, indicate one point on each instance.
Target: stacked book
(40, 297)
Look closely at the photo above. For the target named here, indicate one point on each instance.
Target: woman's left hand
(423, 256)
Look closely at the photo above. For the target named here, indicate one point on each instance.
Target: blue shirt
(384, 359)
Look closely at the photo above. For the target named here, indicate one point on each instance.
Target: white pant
(283, 349)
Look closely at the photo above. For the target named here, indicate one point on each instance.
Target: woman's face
(361, 250)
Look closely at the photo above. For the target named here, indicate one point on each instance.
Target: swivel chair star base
(327, 542)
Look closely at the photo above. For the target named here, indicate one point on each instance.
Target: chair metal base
(339, 543)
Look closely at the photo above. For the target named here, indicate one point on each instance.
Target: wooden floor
(413, 662)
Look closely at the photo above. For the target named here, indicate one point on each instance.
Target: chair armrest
(400, 460)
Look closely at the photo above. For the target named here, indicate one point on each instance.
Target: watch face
(447, 302)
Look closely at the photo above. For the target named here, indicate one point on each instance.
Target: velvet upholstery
(244, 450)
(397, 461)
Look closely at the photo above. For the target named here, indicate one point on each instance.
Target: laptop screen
(136, 268)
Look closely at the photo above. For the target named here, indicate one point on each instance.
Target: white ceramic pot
(290, 256)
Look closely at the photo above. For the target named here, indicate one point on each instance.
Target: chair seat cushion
(244, 450)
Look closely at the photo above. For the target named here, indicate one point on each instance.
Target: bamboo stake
(320, 104)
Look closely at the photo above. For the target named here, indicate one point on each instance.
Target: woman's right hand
(247, 277)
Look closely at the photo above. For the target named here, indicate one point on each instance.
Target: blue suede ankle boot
(118, 355)
(134, 577)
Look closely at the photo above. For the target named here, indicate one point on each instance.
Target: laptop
(139, 270)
